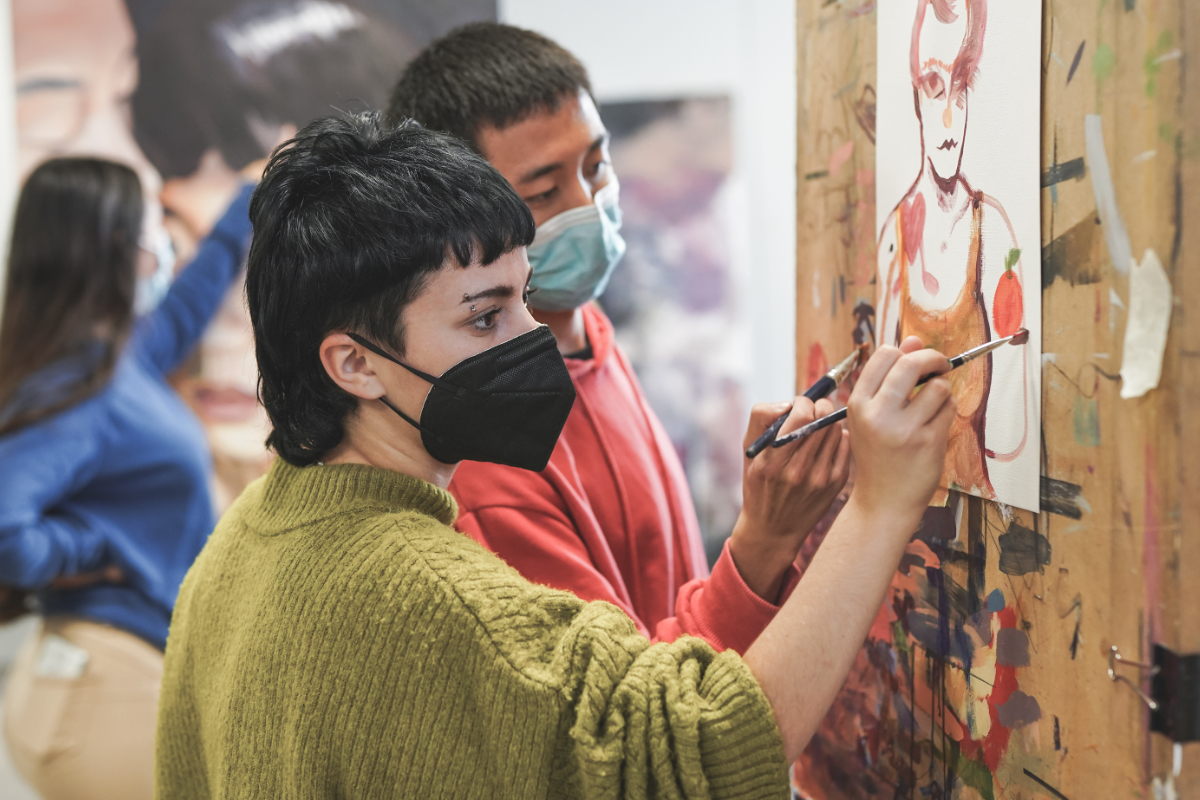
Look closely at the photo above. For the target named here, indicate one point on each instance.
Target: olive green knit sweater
(337, 639)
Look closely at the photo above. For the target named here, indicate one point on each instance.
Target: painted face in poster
(957, 169)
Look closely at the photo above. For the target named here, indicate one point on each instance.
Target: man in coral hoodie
(611, 517)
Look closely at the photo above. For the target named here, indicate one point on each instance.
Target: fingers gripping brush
(1018, 338)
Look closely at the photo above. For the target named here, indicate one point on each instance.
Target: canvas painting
(957, 221)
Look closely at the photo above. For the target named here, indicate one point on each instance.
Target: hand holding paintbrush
(1018, 338)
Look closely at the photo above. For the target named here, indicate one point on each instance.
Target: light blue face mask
(573, 254)
(151, 290)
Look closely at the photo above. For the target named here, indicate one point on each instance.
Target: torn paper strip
(1146, 330)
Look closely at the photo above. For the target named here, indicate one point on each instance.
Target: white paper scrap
(1150, 305)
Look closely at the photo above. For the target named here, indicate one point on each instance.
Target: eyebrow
(502, 291)
(44, 84)
(534, 174)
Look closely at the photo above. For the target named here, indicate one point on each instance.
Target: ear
(347, 363)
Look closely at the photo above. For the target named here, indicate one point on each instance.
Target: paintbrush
(1018, 338)
(824, 387)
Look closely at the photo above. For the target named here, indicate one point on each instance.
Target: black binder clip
(1174, 699)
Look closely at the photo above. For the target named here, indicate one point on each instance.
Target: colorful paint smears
(933, 701)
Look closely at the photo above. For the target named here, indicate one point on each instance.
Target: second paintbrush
(822, 388)
(1018, 338)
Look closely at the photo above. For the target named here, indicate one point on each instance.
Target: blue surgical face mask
(573, 254)
(152, 289)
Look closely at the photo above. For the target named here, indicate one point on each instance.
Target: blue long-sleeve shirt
(122, 477)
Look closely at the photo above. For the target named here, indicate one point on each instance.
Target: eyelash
(549, 193)
(486, 321)
(489, 320)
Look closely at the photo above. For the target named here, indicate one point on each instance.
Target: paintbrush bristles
(1020, 337)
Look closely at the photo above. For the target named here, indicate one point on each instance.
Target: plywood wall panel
(1125, 571)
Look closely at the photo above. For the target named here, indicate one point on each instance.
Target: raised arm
(164, 337)
(801, 660)
(42, 535)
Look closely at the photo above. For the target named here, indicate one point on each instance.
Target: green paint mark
(1151, 64)
(1011, 259)
(899, 639)
(1087, 422)
(1165, 133)
(1103, 63)
(971, 773)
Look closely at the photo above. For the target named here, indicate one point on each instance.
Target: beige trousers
(79, 712)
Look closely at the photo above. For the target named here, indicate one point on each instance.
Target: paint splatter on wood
(1068, 170)
(1023, 551)
(1065, 499)
(1020, 709)
(1075, 61)
(1071, 256)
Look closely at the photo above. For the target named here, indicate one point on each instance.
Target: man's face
(75, 70)
(943, 107)
(556, 161)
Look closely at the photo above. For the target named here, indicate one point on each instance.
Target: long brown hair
(70, 285)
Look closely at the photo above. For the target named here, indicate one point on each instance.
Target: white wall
(8, 135)
(661, 49)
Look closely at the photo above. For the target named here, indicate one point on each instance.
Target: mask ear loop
(457, 391)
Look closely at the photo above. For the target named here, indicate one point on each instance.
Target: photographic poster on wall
(957, 221)
(188, 93)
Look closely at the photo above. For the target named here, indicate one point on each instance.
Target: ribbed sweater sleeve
(645, 720)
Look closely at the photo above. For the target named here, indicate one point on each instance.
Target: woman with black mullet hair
(104, 498)
(337, 638)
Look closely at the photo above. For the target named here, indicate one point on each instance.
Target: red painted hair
(966, 64)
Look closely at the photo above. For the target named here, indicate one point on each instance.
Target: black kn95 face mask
(506, 405)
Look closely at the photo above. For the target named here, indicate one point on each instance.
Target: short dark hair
(350, 219)
(485, 74)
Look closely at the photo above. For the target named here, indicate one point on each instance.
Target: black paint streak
(1057, 736)
(812, 176)
(1075, 61)
(1074, 650)
(1064, 172)
(1023, 551)
(1048, 787)
(1070, 256)
(1062, 498)
(977, 551)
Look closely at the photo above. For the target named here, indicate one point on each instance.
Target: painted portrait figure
(949, 265)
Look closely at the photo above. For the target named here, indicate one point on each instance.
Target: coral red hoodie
(611, 518)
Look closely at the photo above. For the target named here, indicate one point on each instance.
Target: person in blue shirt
(104, 497)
